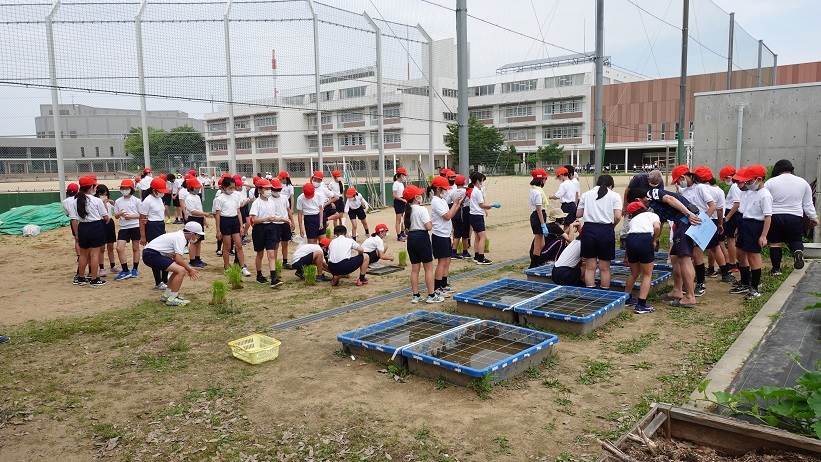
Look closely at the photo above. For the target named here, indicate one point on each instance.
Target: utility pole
(462, 88)
(730, 53)
(598, 137)
(682, 86)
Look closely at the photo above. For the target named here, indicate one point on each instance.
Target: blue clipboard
(703, 233)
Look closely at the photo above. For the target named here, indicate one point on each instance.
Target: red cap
(351, 192)
(193, 183)
(308, 190)
(237, 180)
(257, 180)
(741, 175)
(451, 173)
(440, 182)
(635, 206)
(336, 174)
(324, 242)
(460, 180)
(127, 183)
(562, 171)
(158, 184)
(86, 181)
(263, 184)
(402, 171)
(444, 171)
(703, 173)
(192, 172)
(275, 183)
(147, 170)
(162, 175)
(72, 188)
(756, 171)
(381, 227)
(412, 191)
(318, 174)
(678, 171)
(727, 170)
(538, 173)
(283, 174)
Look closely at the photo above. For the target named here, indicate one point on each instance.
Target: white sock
(168, 293)
(174, 294)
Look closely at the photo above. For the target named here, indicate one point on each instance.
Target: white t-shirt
(458, 193)
(602, 210)
(419, 216)
(153, 208)
(175, 188)
(643, 223)
(271, 207)
(699, 195)
(733, 196)
(242, 196)
(373, 243)
(536, 198)
(131, 206)
(355, 202)
(476, 198)
(192, 202)
(398, 189)
(182, 194)
(308, 206)
(70, 208)
(227, 205)
(566, 191)
(442, 227)
(287, 191)
(792, 195)
(718, 198)
(169, 243)
(95, 210)
(758, 204)
(576, 185)
(144, 183)
(333, 186)
(305, 249)
(341, 248)
(322, 194)
(570, 256)
(449, 194)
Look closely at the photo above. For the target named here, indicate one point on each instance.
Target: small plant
(278, 267)
(637, 344)
(595, 371)
(423, 433)
(218, 291)
(533, 372)
(180, 346)
(817, 305)
(440, 383)
(644, 365)
(487, 245)
(503, 445)
(328, 232)
(482, 386)
(234, 275)
(403, 258)
(394, 370)
(309, 272)
(459, 247)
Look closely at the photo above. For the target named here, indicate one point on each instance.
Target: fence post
(232, 138)
(431, 90)
(758, 74)
(730, 53)
(319, 147)
(138, 31)
(775, 69)
(55, 99)
(379, 107)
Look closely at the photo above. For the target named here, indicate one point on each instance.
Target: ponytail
(604, 182)
(407, 217)
(82, 202)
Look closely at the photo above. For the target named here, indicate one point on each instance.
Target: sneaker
(245, 271)
(262, 279)
(287, 266)
(176, 301)
(299, 274)
(79, 281)
(739, 289)
(96, 283)
(442, 293)
(197, 264)
(164, 297)
(123, 275)
(752, 294)
(219, 253)
(734, 269)
(699, 290)
(160, 286)
(276, 283)
(798, 259)
(435, 298)
(323, 278)
(632, 301)
(777, 272)
(416, 299)
(485, 261)
(4, 338)
(465, 254)
(712, 273)
(728, 278)
(401, 238)
(102, 273)
(455, 254)
(135, 273)
(645, 309)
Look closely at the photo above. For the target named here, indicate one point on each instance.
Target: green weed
(234, 275)
(309, 272)
(502, 445)
(636, 344)
(595, 371)
(106, 431)
(179, 346)
(482, 386)
(402, 259)
(218, 292)
(644, 365)
(440, 383)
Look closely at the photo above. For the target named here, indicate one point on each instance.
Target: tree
(166, 148)
(486, 143)
(550, 154)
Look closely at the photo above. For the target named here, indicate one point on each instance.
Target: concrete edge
(725, 370)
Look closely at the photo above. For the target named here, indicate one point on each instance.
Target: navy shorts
(201, 221)
(312, 228)
(129, 234)
(346, 266)
(303, 262)
(176, 201)
(399, 206)
(731, 225)
(153, 230)
(229, 225)
(716, 237)
(340, 205)
(420, 249)
(166, 199)
(245, 210)
(639, 248)
(535, 225)
(570, 209)
(786, 228)
(598, 241)
(359, 213)
(682, 243)
(91, 234)
(461, 224)
(284, 233)
(441, 246)
(264, 236)
(156, 260)
(327, 212)
(567, 276)
(110, 232)
(373, 256)
(748, 233)
(477, 223)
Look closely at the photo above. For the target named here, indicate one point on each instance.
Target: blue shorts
(716, 237)
(156, 260)
(639, 248)
(154, 229)
(441, 246)
(312, 228)
(570, 208)
(535, 225)
(229, 226)
(91, 234)
(284, 233)
(359, 213)
(340, 205)
(129, 234)
(598, 241)
(731, 225)
(303, 262)
(786, 228)
(420, 249)
(399, 206)
(748, 234)
(567, 276)
(327, 212)
(110, 232)
(264, 237)
(461, 224)
(477, 223)
(245, 211)
(346, 266)
(682, 243)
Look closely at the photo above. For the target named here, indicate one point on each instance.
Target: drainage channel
(311, 318)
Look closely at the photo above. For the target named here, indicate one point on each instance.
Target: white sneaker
(442, 293)
(102, 272)
(164, 297)
(176, 301)
(160, 286)
(416, 299)
(245, 272)
(435, 298)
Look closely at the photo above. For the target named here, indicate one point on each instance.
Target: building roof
(575, 58)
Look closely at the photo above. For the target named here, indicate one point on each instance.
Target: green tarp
(47, 217)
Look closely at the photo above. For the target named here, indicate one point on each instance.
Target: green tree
(179, 143)
(486, 143)
(549, 154)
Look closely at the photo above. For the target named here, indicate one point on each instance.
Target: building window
(390, 112)
(564, 80)
(111, 150)
(97, 151)
(351, 116)
(267, 142)
(295, 166)
(388, 165)
(562, 132)
(451, 116)
(419, 91)
(72, 134)
(663, 133)
(692, 130)
(519, 135)
(482, 90)
(562, 106)
(390, 138)
(63, 111)
(241, 124)
(352, 139)
(82, 151)
(521, 85)
(218, 126)
(243, 144)
(296, 100)
(327, 141)
(266, 120)
(450, 93)
(649, 132)
(355, 92)
(482, 114)
(356, 165)
(518, 111)
(219, 145)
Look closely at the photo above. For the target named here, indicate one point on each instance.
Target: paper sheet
(703, 233)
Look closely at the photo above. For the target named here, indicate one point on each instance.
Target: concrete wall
(782, 122)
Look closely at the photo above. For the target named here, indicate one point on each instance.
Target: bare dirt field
(112, 373)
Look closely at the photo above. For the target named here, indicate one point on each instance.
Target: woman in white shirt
(152, 223)
(641, 240)
(420, 253)
(601, 209)
(356, 207)
(92, 215)
(478, 210)
(567, 194)
(537, 200)
(399, 202)
(192, 203)
(441, 214)
(228, 216)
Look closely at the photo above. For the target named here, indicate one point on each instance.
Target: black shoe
(728, 278)
(287, 266)
(96, 283)
(798, 259)
(699, 290)
(484, 261)
(739, 289)
(262, 279)
(299, 274)
(712, 274)
(777, 272)
(323, 278)
(79, 281)
(276, 283)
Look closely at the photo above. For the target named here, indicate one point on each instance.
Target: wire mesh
(503, 293)
(618, 275)
(573, 303)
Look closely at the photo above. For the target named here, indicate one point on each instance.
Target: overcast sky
(634, 39)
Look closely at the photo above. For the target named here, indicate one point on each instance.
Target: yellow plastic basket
(255, 348)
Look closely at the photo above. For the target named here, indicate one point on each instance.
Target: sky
(635, 40)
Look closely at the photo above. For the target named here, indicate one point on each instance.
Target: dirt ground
(112, 373)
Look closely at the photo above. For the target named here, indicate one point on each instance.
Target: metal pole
(730, 53)
(431, 89)
(232, 137)
(738, 135)
(599, 90)
(55, 99)
(682, 86)
(760, 50)
(138, 29)
(817, 233)
(379, 108)
(775, 71)
(462, 86)
(316, 86)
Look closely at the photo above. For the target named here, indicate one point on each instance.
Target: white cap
(194, 227)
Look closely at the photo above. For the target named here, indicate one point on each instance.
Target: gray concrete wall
(782, 122)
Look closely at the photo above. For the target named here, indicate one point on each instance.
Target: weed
(503, 445)
(309, 272)
(394, 370)
(550, 362)
(226, 309)
(340, 353)
(234, 275)
(214, 392)
(482, 386)
(556, 384)
(644, 365)
(550, 427)
(403, 258)
(440, 383)
(422, 434)
(175, 410)
(565, 457)
(533, 372)
(218, 292)
(487, 245)
(595, 371)
(637, 344)
(180, 346)
(565, 406)
(278, 267)
(105, 431)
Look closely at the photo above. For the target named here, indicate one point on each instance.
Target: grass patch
(644, 365)
(440, 383)
(637, 344)
(482, 386)
(533, 372)
(106, 431)
(595, 371)
(179, 346)
(502, 445)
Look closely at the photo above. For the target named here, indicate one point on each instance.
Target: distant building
(100, 122)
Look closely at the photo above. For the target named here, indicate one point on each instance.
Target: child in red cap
(309, 214)
(356, 207)
(641, 240)
(399, 202)
(420, 251)
(127, 211)
(152, 223)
